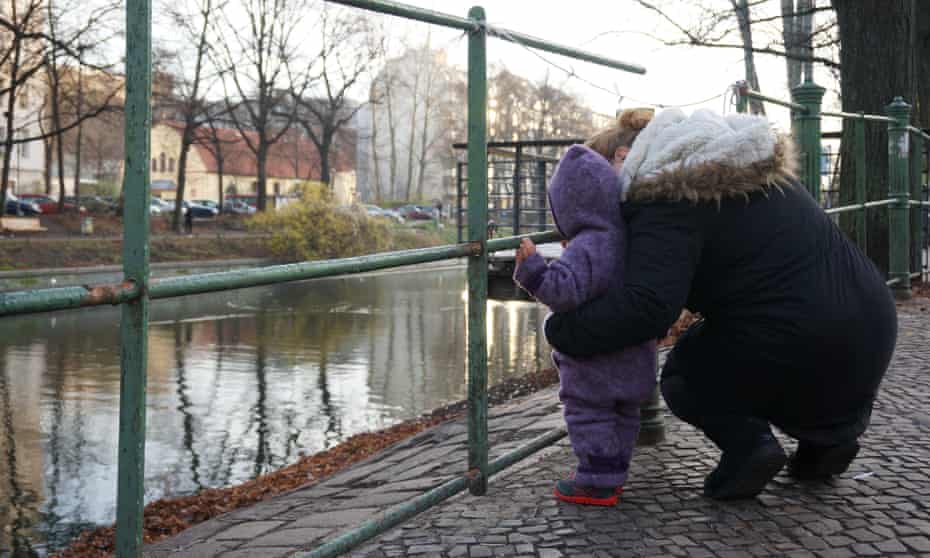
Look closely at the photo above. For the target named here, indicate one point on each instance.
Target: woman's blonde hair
(622, 133)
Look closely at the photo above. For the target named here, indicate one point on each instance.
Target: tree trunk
(923, 68)
(790, 33)
(806, 39)
(60, 155)
(324, 148)
(10, 121)
(219, 173)
(741, 9)
(262, 160)
(415, 101)
(47, 146)
(876, 66)
(78, 147)
(186, 140)
(392, 135)
(375, 161)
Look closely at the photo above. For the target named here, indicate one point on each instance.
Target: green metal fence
(136, 291)
(907, 173)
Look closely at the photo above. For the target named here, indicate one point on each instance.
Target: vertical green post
(134, 321)
(807, 126)
(898, 188)
(478, 265)
(862, 237)
(517, 194)
(915, 213)
(742, 101)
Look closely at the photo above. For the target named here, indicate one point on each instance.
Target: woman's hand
(526, 249)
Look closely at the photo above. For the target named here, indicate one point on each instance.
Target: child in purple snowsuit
(602, 394)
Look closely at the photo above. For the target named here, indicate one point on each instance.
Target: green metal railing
(908, 159)
(137, 290)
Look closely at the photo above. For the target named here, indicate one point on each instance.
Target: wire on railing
(919, 132)
(858, 206)
(749, 93)
(858, 116)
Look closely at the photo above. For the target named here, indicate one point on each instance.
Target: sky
(619, 29)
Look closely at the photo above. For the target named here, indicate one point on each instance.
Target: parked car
(374, 211)
(93, 204)
(167, 206)
(16, 206)
(208, 203)
(155, 208)
(198, 211)
(47, 204)
(237, 207)
(415, 212)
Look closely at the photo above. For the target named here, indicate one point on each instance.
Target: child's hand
(526, 249)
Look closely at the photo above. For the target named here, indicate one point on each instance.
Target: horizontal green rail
(401, 512)
(858, 116)
(919, 132)
(64, 298)
(919, 203)
(859, 206)
(466, 24)
(759, 96)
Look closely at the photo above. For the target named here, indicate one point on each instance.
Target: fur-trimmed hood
(707, 157)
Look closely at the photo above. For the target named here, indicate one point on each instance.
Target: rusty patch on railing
(108, 294)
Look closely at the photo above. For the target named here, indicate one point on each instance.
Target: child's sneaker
(568, 491)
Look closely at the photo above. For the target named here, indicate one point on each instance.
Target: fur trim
(707, 157)
(715, 181)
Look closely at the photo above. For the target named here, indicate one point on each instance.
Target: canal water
(240, 383)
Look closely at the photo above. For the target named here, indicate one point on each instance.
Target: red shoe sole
(587, 500)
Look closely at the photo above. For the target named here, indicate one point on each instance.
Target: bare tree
(193, 17)
(413, 100)
(383, 99)
(212, 137)
(20, 61)
(799, 42)
(253, 60)
(350, 47)
(71, 38)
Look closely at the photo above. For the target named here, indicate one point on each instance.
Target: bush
(314, 228)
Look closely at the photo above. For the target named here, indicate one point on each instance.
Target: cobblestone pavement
(880, 507)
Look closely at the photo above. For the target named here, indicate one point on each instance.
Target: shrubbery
(313, 228)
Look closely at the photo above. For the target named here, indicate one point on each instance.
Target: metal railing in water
(136, 291)
(908, 171)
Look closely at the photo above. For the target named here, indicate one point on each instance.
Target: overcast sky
(618, 29)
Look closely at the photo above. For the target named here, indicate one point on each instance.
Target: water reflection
(239, 384)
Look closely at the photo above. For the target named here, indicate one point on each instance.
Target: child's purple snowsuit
(602, 395)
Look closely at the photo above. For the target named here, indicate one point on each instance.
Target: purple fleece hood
(584, 192)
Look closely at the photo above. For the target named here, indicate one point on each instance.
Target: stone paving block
(378, 500)
(293, 538)
(918, 544)
(264, 552)
(335, 518)
(247, 531)
(204, 549)
(891, 547)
